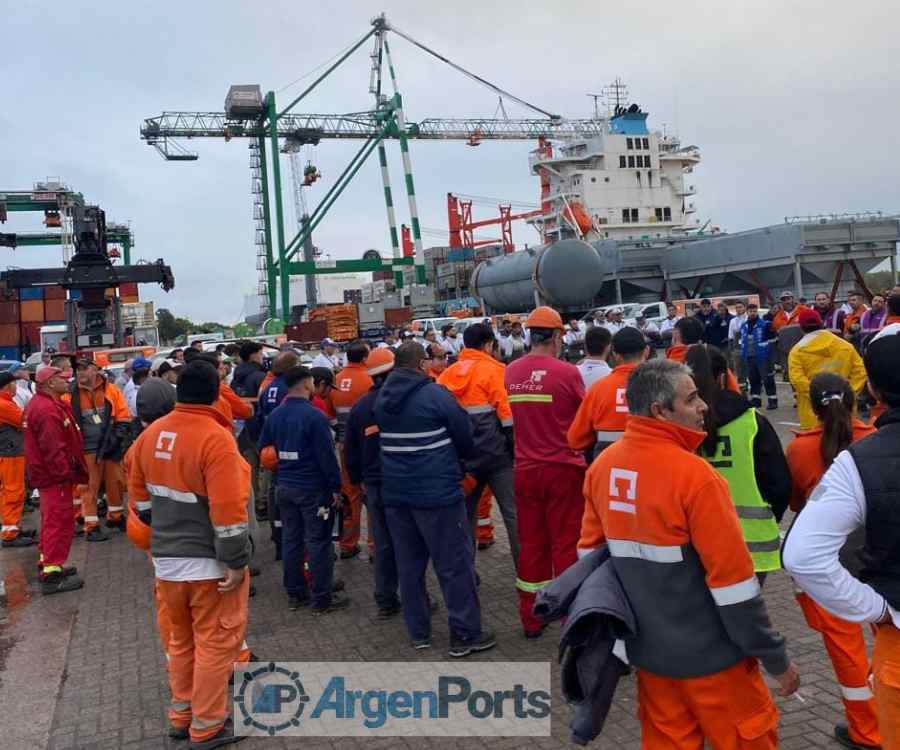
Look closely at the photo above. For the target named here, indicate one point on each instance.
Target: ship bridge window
(594, 179)
(629, 143)
(659, 214)
(622, 161)
(667, 213)
(626, 216)
(646, 142)
(634, 216)
(631, 162)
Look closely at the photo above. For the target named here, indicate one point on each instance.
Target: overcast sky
(794, 105)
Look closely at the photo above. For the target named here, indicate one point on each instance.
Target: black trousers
(761, 373)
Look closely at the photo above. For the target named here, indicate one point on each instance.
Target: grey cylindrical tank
(567, 274)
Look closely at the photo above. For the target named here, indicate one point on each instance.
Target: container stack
(342, 321)
(23, 313)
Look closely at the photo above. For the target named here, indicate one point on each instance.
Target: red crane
(461, 226)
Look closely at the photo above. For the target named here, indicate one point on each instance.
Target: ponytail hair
(833, 402)
(708, 365)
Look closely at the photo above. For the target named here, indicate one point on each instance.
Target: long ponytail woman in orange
(809, 455)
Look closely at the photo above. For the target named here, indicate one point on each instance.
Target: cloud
(793, 105)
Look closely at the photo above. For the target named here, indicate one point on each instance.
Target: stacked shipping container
(24, 311)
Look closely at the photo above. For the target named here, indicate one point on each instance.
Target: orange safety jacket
(240, 408)
(805, 460)
(12, 436)
(477, 382)
(676, 545)
(186, 469)
(782, 319)
(95, 409)
(678, 352)
(602, 415)
(854, 317)
(350, 385)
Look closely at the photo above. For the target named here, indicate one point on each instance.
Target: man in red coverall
(544, 395)
(54, 457)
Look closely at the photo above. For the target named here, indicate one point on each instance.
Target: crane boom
(311, 128)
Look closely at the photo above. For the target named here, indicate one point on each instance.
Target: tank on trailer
(564, 274)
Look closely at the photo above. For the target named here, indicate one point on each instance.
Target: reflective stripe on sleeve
(856, 693)
(234, 529)
(531, 588)
(584, 551)
(172, 494)
(609, 436)
(506, 422)
(288, 455)
(485, 521)
(759, 513)
(736, 593)
(406, 435)
(479, 409)
(115, 508)
(650, 552)
(143, 505)
(413, 448)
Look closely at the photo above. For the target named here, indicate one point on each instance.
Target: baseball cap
(328, 342)
(141, 363)
(786, 293)
(45, 373)
(809, 318)
(82, 359)
(165, 365)
(628, 341)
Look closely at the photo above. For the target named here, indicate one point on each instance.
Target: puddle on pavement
(16, 597)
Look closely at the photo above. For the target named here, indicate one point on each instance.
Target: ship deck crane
(386, 121)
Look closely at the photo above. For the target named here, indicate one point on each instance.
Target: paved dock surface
(85, 670)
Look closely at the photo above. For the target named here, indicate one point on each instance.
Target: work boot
(20, 540)
(102, 508)
(421, 644)
(386, 613)
(297, 602)
(482, 546)
(460, 647)
(338, 585)
(96, 535)
(115, 523)
(772, 405)
(347, 554)
(536, 633)
(30, 533)
(179, 733)
(337, 603)
(224, 737)
(57, 583)
(842, 735)
(756, 402)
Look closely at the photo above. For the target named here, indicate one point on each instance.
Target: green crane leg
(392, 219)
(267, 221)
(284, 278)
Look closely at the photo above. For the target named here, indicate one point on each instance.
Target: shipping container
(311, 332)
(10, 352)
(397, 317)
(128, 289)
(9, 334)
(31, 294)
(31, 336)
(31, 310)
(55, 309)
(129, 299)
(9, 312)
(74, 294)
(54, 292)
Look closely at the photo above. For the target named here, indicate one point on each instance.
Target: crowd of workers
(424, 434)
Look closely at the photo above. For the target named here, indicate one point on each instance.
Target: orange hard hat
(545, 317)
(268, 458)
(138, 532)
(379, 361)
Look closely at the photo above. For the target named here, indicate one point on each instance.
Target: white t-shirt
(593, 370)
(835, 509)
(24, 393)
(187, 568)
(330, 363)
(667, 324)
(734, 327)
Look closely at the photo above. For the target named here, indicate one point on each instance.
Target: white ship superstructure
(628, 183)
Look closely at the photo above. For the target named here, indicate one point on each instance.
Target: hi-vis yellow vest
(734, 461)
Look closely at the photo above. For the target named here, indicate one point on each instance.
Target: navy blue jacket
(271, 398)
(303, 439)
(424, 434)
(762, 333)
(362, 443)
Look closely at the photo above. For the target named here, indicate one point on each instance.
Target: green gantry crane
(262, 121)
